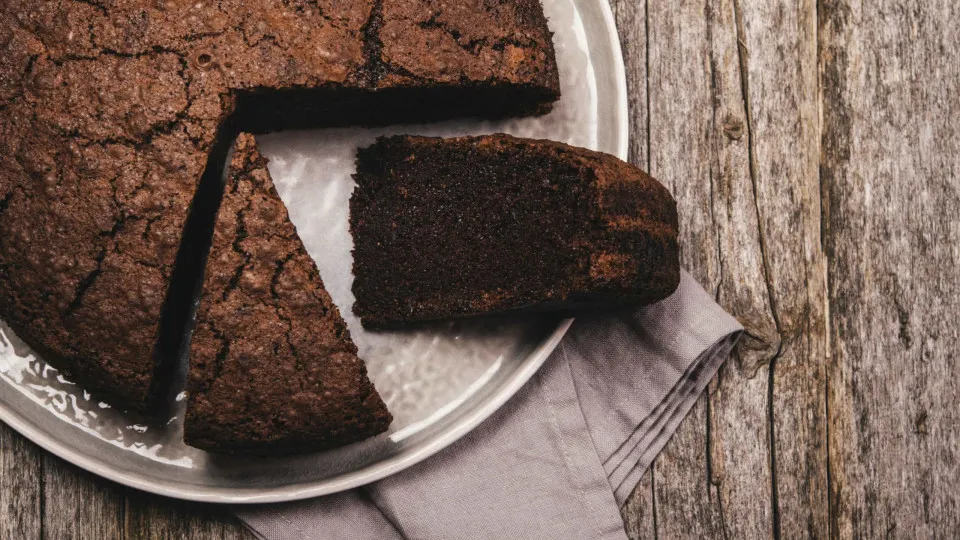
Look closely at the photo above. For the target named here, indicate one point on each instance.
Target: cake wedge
(453, 228)
(272, 367)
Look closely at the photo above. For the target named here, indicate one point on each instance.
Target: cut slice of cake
(272, 365)
(450, 228)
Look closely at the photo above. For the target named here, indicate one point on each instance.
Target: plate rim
(359, 477)
(380, 469)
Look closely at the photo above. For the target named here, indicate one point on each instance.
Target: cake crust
(110, 112)
(272, 366)
(452, 228)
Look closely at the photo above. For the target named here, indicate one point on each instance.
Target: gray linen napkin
(558, 459)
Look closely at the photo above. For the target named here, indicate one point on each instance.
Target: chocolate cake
(272, 366)
(449, 228)
(111, 112)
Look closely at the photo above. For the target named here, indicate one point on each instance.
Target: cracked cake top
(110, 111)
(272, 366)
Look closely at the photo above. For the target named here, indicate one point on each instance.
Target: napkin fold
(561, 456)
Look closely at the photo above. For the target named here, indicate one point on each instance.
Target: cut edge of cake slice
(272, 367)
(469, 226)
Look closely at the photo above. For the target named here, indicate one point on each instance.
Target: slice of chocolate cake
(449, 228)
(272, 366)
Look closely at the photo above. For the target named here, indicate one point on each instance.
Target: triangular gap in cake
(171, 352)
(272, 365)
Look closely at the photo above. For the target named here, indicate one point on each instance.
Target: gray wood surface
(891, 166)
(813, 148)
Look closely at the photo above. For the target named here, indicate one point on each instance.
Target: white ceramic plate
(439, 382)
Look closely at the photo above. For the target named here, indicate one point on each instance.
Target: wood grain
(79, 505)
(891, 162)
(639, 513)
(631, 20)
(778, 51)
(714, 477)
(150, 517)
(681, 113)
(21, 492)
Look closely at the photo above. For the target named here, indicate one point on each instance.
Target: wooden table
(814, 148)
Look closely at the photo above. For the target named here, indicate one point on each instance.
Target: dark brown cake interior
(475, 225)
(482, 246)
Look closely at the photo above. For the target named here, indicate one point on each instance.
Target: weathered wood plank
(150, 517)
(891, 175)
(631, 19)
(768, 270)
(738, 436)
(638, 512)
(685, 503)
(21, 496)
(78, 504)
(778, 57)
(714, 477)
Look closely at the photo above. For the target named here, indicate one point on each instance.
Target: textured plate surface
(438, 382)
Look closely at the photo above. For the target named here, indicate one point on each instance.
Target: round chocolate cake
(113, 113)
